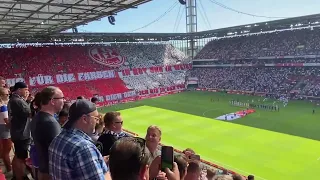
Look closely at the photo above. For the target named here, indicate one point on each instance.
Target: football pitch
(271, 145)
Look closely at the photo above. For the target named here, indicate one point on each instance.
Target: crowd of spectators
(244, 50)
(278, 43)
(256, 61)
(277, 80)
(150, 81)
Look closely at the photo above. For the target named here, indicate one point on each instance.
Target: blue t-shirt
(56, 116)
(3, 113)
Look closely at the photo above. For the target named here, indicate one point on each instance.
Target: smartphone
(195, 157)
(166, 157)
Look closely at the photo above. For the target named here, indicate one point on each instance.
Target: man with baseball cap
(72, 155)
(19, 114)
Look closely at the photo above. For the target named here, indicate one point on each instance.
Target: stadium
(244, 98)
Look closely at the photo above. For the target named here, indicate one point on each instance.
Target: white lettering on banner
(40, 80)
(13, 81)
(99, 75)
(80, 77)
(129, 94)
(113, 97)
(71, 77)
(100, 98)
(93, 75)
(48, 80)
(64, 78)
(88, 76)
(32, 81)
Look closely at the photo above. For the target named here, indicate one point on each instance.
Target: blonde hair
(100, 123)
(156, 128)
(2, 93)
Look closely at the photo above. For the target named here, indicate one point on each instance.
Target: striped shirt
(72, 155)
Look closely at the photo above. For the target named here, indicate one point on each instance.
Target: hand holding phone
(166, 158)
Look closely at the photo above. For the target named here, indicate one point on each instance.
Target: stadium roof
(295, 22)
(31, 29)
(27, 18)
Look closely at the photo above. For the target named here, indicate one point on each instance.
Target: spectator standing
(5, 140)
(94, 100)
(113, 124)
(72, 155)
(44, 127)
(35, 106)
(63, 116)
(80, 97)
(30, 98)
(153, 138)
(19, 118)
(2, 82)
(98, 129)
(64, 113)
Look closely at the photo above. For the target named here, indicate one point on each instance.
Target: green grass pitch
(271, 145)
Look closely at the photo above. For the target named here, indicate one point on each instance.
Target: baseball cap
(78, 109)
(19, 85)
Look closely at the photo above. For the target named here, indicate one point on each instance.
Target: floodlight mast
(191, 26)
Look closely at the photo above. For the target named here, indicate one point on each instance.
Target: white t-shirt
(3, 113)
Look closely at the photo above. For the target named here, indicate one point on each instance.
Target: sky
(218, 17)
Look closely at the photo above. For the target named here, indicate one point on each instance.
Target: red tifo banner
(61, 78)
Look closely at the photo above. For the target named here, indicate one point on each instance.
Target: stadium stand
(40, 64)
(278, 43)
(143, 82)
(284, 62)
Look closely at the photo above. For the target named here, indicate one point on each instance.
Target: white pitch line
(204, 113)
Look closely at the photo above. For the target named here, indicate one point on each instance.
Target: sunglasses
(94, 117)
(59, 98)
(119, 122)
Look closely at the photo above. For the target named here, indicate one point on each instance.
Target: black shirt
(107, 139)
(19, 114)
(44, 128)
